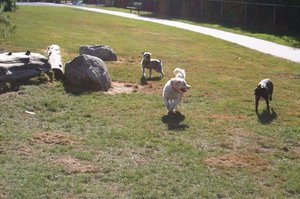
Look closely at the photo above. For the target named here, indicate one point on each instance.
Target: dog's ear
(143, 53)
(258, 87)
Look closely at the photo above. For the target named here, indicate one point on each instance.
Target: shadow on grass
(14, 86)
(144, 80)
(75, 90)
(154, 78)
(173, 121)
(265, 117)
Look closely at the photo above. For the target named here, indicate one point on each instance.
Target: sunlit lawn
(94, 145)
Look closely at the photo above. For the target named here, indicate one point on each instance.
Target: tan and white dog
(151, 64)
(174, 90)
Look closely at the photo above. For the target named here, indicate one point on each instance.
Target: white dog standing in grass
(174, 90)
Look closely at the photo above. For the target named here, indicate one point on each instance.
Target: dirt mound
(123, 87)
(75, 165)
(237, 160)
(6, 94)
(52, 138)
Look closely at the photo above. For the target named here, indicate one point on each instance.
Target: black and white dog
(151, 64)
(263, 90)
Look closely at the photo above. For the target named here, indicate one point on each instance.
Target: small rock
(106, 53)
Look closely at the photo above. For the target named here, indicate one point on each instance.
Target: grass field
(94, 145)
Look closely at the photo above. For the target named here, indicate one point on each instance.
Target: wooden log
(54, 59)
(22, 65)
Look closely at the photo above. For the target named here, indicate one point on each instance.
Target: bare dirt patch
(3, 195)
(74, 165)
(25, 151)
(123, 87)
(7, 94)
(52, 138)
(237, 161)
(122, 60)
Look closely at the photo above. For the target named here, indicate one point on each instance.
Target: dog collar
(175, 89)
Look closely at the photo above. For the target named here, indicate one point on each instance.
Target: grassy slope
(222, 149)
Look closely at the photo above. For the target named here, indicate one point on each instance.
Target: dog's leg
(180, 98)
(256, 104)
(162, 74)
(143, 72)
(270, 90)
(268, 107)
(150, 73)
(270, 94)
(174, 105)
(167, 103)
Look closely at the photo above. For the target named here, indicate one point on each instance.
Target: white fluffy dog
(174, 89)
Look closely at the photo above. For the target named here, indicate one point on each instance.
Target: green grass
(119, 146)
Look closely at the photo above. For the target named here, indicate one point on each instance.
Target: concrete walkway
(285, 52)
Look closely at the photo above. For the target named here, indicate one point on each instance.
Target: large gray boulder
(88, 72)
(106, 53)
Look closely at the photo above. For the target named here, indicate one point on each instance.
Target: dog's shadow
(144, 80)
(266, 117)
(173, 121)
(154, 78)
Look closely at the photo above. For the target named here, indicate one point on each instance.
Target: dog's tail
(179, 73)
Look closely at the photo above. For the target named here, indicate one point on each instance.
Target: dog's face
(146, 56)
(180, 85)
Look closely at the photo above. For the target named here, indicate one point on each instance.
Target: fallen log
(54, 59)
(22, 65)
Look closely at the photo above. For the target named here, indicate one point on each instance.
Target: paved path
(285, 52)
